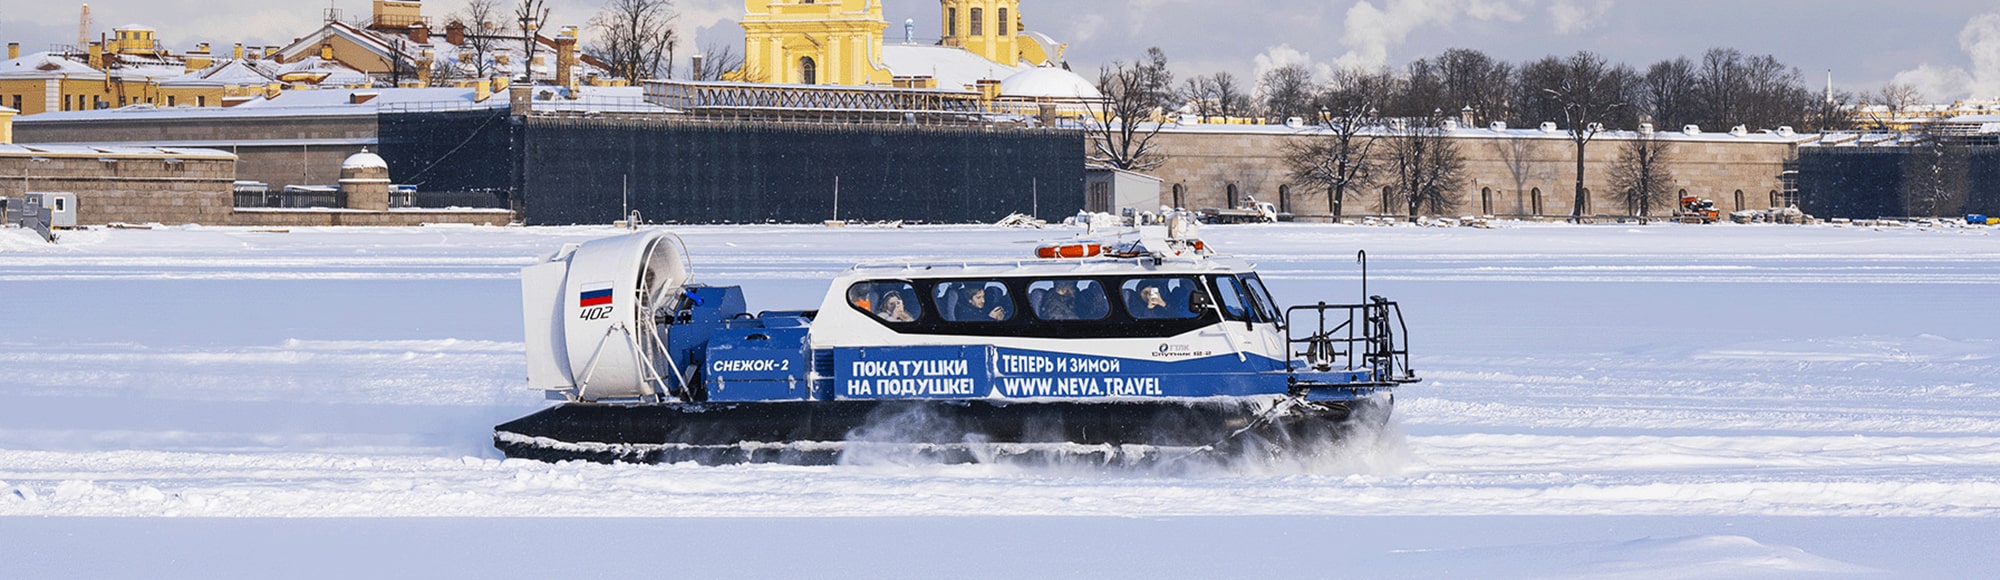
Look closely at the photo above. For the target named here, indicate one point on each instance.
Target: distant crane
(83, 26)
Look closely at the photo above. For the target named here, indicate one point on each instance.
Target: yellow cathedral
(840, 42)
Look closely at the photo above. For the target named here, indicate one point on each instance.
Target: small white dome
(1048, 83)
(364, 160)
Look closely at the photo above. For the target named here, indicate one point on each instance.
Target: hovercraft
(1144, 349)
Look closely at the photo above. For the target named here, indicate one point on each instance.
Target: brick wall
(1205, 164)
(128, 189)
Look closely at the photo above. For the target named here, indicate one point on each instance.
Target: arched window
(1535, 201)
(1486, 201)
(1006, 26)
(978, 22)
(808, 72)
(1739, 200)
(1284, 197)
(1585, 210)
(1386, 194)
(1180, 191)
(1231, 193)
(1775, 202)
(951, 22)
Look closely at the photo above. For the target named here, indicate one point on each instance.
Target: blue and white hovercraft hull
(1152, 350)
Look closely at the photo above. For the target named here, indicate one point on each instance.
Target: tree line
(634, 40)
(1389, 125)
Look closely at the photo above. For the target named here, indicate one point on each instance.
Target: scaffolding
(805, 102)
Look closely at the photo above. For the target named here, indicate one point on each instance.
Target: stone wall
(278, 150)
(132, 189)
(347, 217)
(1203, 164)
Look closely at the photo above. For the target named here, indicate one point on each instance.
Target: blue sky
(1943, 46)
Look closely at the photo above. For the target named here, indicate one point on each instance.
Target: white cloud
(1981, 41)
(1369, 32)
(1572, 16)
(1086, 27)
(1282, 55)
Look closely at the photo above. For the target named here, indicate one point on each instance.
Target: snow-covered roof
(591, 99)
(230, 72)
(135, 28)
(320, 71)
(1048, 82)
(954, 68)
(111, 150)
(308, 102)
(6, 109)
(44, 64)
(364, 160)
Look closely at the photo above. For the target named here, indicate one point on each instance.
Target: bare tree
(715, 61)
(1883, 105)
(1343, 155)
(1288, 92)
(1134, 94)
(1426, 165)
(1199, 95)
(635, 38)
(1835, 112)
(1643, 176)
(1666, 93)
(1230, 99)
(1590, 92)
(1216, 95)
(1471, 79)
(480, 19)
(531, 15)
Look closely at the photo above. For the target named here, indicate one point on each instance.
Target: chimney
(481, 91)
(13, 50)
(270, 51)
(420, 34)
(694, 63)
(199, 58)
(238, 55)
(97, 55)
(454, 33)
(566, 60)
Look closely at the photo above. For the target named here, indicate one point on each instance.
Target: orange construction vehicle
(1695, 210)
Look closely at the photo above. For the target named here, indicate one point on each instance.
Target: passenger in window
(1061, 302)
(982, 305)
(1151, 303)
(894, 308)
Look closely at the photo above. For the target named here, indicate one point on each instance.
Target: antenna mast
(83, 27)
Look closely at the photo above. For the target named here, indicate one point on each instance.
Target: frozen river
(1600, 401)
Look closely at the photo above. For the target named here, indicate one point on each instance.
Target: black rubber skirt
(944, 431)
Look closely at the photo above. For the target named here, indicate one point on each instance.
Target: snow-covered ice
(1601, 401)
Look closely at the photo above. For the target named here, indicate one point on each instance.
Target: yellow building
(7, 125)
(839, 42)
(830, 42)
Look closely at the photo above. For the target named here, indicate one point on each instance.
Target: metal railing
(1350, 338)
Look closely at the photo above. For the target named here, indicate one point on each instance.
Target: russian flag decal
(591, 298)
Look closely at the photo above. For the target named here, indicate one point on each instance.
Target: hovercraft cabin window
(889, 301)
(1159, 298)
(1069, 307)
(973, 302)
